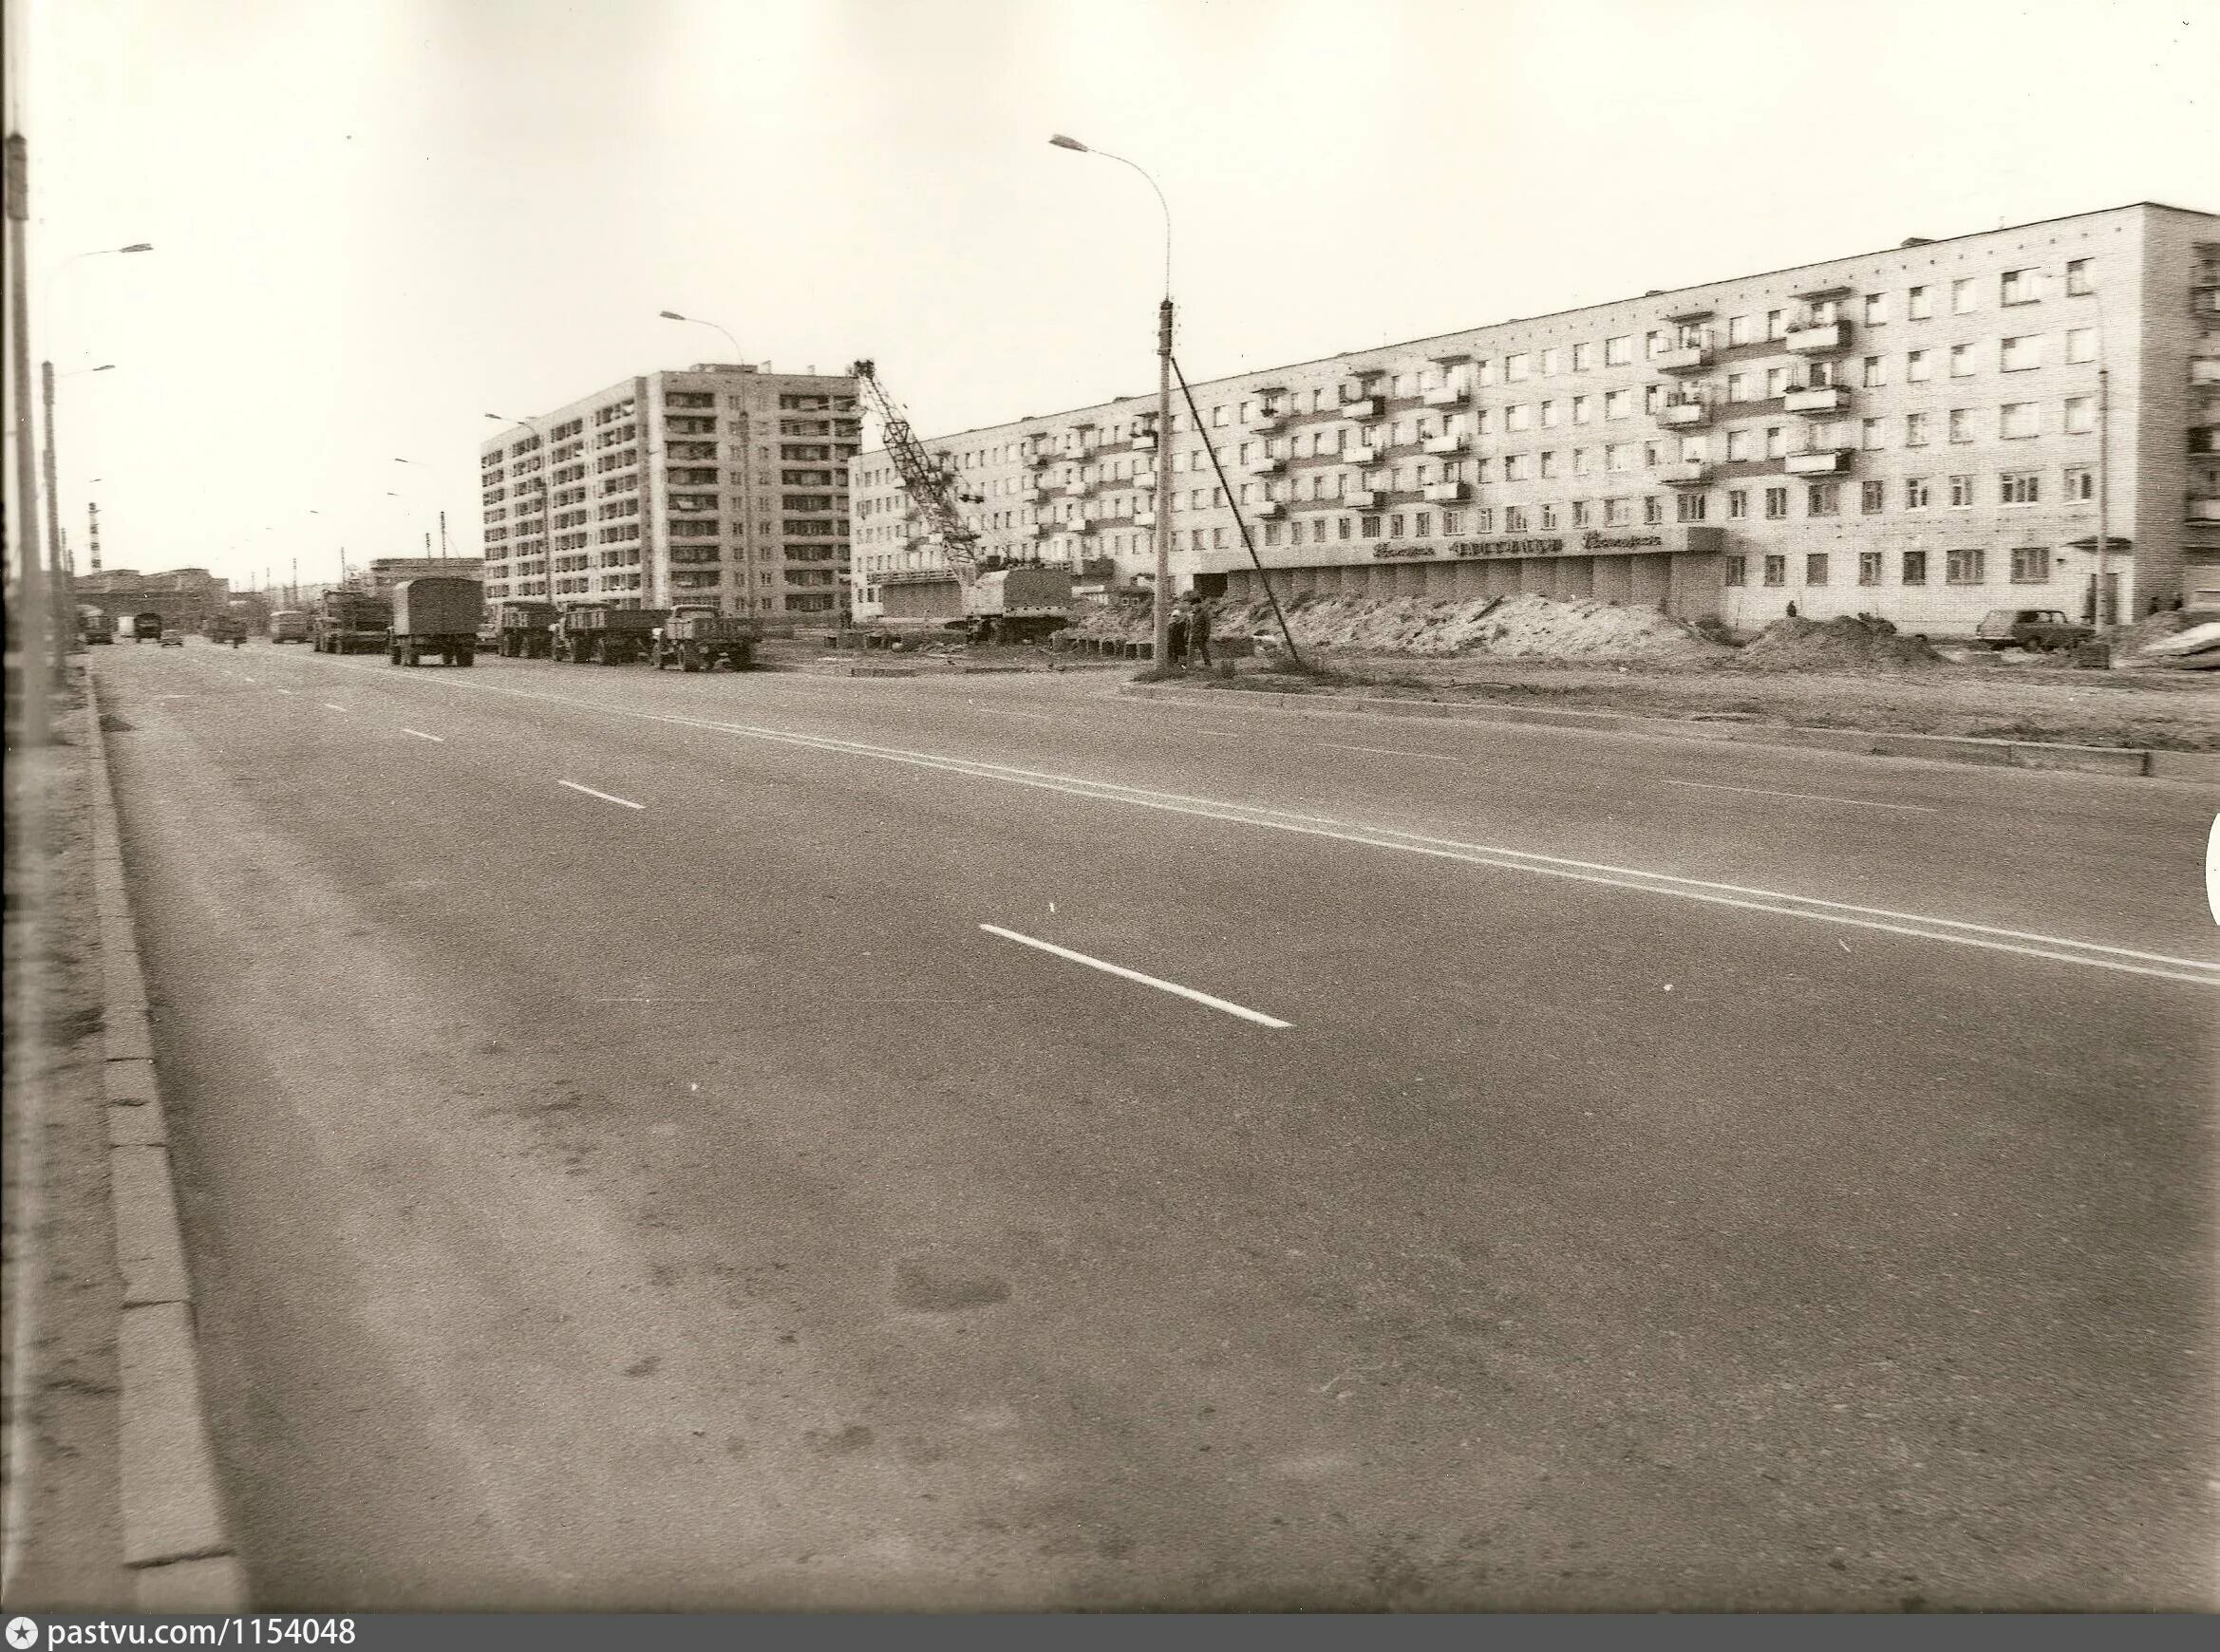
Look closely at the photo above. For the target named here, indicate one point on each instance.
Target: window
(1548, 518)
(1583, 357)
(1737, 329)
(1870, 435)
(2080, 414)
(1548, 459)
(1580, 513)
(2021, 354)
(1815, 568)
(2031, 565)
(1919, 304)
(1619, 351)
(1961, 491)
(1869, 568)
(1919, 367)
(1689, 507)
(1777, 324)
(2019, 487)
(1738, 503)
(1551, 358)
(1652, 510)
(1738, 386)
(1740, 443)
(1916, 430)
(1915, 568)
(1654, 344)
(1484, 519)
(1776, 442)
(2019, 420)
(1775, 504)
(2082, 344)
(1584, 409)
(1515, 467)
(1962, 297)
(1618, 404)
(1776, 571)
(1823, 499)
(1962, 361)
(1918, 495)
(1452, 521)
(1341, 527)
(1615, 513)
(1583, 461)
(2077, 278)
(1877, 309)
(1964, 567)
(1369, 528)
(1549, 414)
(1738, 571)
(1519, 418)
(1876, 372)
(1961, 424)
(1395, 526)
(2020, 287)
(1775, 382)
(1872, 498)
(1516, 368)
(2080, 483)
(1619, 456)
(1515, 519)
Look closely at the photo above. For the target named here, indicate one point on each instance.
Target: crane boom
(929, 480)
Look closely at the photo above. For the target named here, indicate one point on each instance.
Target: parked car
(2030, 628)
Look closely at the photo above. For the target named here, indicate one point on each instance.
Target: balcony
(1685, 473)
(1144, 518)
(2203, 508)
(1032, 494)
(1818, 338)
(1448, 396)
(1445, 492)
(1268, 465)
(1270, 421)
(1362, 499)
(1819, 461)
(1365, 407)
(1688, 354)
(1449, 446)
(1267, 510)
(1145, 441)
(1816, 398)
(1684, 412)
(1360, 456)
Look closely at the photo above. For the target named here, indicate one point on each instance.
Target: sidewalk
(62, 1302)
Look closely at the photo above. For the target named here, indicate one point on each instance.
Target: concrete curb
(2198, 768)
(176, 1542)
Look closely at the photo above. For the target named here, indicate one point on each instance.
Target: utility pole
(443, 535)
(2103, 496)
(92, 518)
(1161, 650)
(59, 585)
(30, 606)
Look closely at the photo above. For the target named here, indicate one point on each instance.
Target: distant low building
(385, 573)
(183, 597)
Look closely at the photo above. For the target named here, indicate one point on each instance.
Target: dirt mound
(2160, 626)
(1532, 626)
(1802, 644)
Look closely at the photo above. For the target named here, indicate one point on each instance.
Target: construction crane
(930, 479)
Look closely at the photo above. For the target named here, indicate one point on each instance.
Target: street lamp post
(697, 321)
(1162, 645)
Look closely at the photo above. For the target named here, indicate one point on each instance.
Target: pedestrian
(1175, 643)
(1792, 608)
(1198, 632)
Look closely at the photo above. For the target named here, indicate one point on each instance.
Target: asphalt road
(638, 1147)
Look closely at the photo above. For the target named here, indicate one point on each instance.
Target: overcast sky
(377, 220)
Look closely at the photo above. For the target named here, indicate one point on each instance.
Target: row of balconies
(2203, 508)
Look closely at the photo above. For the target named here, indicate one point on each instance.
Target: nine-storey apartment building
(1912, 433)
(725, 486)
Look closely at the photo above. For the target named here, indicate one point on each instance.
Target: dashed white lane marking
(1432, 757)
(244, 678)
(1807, 797)
(437, 739)
(1122, 972)
(285, 691)
(1217, 733)
(603, 795)
(329, 706)
(1031, 716)
(1916, 925)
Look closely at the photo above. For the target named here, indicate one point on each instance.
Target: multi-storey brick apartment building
(725, 484)
(1910, 433)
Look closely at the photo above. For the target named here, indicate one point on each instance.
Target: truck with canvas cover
(143, 627)
(350, 622)
(97, 624)
(288, 625)
(698, 639)
(520, 629)
(594, 633)
(435, 615)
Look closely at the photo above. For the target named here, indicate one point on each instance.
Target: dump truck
(520, 629)
(697, 639)
(97, 624)
(435, 615)
(226, 628)
(1017, 604)
(597, 634)
(288, 625)
(350, 622)
(140, 627)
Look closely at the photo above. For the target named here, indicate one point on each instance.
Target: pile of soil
(2160, 626)
(1845, 641)
(1518, 627)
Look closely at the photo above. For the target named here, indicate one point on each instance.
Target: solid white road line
(603, 795)
(1953, 931)
(1126, 974)
(420, 734)
(1432, 756)
(1807, 797)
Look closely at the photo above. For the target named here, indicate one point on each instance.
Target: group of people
(1191, 632)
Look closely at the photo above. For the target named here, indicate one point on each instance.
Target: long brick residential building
(1912, 433)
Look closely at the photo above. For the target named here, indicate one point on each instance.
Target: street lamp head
(105, 368)
(1062, 143)
(671, 315)
(138, 247)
